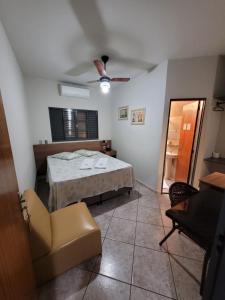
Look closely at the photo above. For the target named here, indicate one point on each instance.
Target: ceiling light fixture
(105, 86)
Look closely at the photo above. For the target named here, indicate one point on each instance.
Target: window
(73, 124)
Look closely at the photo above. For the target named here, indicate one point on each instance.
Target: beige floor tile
(164, 201)
(152, 271)
(135, 194)
(127, 211)
(149, 236)
(116, 260)
(122, 200)
(167, 222)
(185, 272)
(149, 215)
(103, 221)
(181, 245)
(140, 294)
(143, 190)
(104, 288)
(122, 230)
(70, 285)
(89, 264)
(127, 200)
(149, 201)
(106, 208)
(191, 266)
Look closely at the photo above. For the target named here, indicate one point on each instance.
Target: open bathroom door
(186, 141)
(182, 142)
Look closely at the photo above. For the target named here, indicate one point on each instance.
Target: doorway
(182, 141)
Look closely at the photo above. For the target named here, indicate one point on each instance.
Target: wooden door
(16, 274)
(187, 133)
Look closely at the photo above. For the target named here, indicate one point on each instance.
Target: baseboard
(147, 186)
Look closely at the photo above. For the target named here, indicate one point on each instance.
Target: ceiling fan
(105, 79)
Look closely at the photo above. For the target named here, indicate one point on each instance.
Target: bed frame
(105, 196)
(41, 151)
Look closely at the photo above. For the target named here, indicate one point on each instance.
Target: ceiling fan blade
(92, 22)
(93, 81)
(122, 79)
(100, 67)
(133, 62)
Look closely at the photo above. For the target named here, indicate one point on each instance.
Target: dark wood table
(197, 218)
(215, 180)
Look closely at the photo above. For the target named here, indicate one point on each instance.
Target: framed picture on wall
(138, 116)
(123, 113)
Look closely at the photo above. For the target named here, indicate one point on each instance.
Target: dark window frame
(60, 125)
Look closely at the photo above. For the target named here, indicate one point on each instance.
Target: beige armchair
(62, 239)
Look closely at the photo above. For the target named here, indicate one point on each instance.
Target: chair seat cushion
(71, 223)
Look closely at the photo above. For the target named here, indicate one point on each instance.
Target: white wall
(219, 89)
(42, 93)
(14, 100)
(195, 78)
(140, 144)
(144, 146)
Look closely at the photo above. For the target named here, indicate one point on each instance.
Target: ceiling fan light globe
(105, 87)
(105, 90)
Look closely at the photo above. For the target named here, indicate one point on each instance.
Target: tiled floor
(166, 185)
(132, 265)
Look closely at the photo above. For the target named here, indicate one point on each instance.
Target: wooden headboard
(41, 151)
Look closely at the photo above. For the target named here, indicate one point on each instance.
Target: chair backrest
(179, 191)
(39, 222)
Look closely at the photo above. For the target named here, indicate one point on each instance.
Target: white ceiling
(54, 38)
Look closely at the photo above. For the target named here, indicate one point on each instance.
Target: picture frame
(138, 116)
(123, 113)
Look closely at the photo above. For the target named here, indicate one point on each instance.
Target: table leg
(168, 234)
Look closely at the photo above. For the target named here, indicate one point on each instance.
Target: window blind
(73, 124)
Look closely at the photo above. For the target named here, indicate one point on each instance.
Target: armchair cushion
(71, 223)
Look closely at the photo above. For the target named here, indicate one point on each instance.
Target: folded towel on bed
(87, 164)
(101, 163)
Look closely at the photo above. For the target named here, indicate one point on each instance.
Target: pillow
(86, 153)
(66, 155)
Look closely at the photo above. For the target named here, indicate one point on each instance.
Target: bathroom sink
(171, 160)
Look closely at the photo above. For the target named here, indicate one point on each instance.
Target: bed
(69, 184)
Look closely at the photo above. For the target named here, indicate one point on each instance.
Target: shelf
(220, 161)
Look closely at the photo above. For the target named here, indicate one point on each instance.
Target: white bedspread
(102, 163)
(68, 183)
(87, 163)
